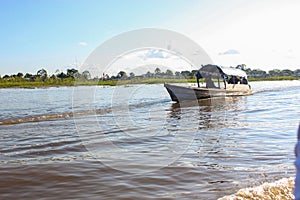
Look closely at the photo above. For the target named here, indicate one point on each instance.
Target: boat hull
(181, 93)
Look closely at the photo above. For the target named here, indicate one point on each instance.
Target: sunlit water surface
(132, 142)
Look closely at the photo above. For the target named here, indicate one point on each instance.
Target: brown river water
(133, 142)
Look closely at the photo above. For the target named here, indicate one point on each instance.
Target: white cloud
(155, 54)
(83, 44)
(149, 54)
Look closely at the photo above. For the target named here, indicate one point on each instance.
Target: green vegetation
(274, 78)
(4, 83)
(74, 77)
(70, 82)
(150, 81)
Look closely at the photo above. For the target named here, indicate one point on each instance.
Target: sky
(59, 34)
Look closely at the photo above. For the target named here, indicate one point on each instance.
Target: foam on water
(281, 189)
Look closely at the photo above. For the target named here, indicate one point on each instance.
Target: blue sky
(54, 34)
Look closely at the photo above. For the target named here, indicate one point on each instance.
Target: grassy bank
(72, 82)
(29, 84)
(69, 82)
(274, 78)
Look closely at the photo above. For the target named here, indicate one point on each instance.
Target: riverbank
(59, 83)
(68, 82)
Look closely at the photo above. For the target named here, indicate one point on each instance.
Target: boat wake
(281, 189)
(67, 115)
(276, 89)
(36, 118)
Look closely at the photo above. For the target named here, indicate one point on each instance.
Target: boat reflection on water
(212, 112)
(213, 121)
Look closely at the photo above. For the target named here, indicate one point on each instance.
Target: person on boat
(209, 82)
(230, 81)
(297, 164)
(233, 80)
(244, 80)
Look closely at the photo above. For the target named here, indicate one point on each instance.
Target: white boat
(219, 82)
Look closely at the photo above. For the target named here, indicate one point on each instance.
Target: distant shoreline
(40, 84)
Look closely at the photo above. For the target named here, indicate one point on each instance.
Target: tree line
(42, 75)
(158, 73)
(72, 74)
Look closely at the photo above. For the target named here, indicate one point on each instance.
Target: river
(133, 142)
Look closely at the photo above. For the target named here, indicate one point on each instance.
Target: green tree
(297, 72)
(149, 74)
(287, 72)
(42, 74)
(186, 74)
(131, 75)
(169, 73)
(122, 75)
(248, 70)
(258, 73)
(27, 75)
(53, 77)
(86, 75)
(20, 75)
(157, 71)
(6, 77)
(275, 72)
(177, 74)
(73, 73)
(62, 75)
